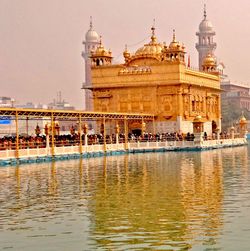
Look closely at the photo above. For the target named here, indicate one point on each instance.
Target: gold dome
(243, 120)
(126, 53)
(101, 51)
(149, 49)
(209, 60)
(152, 48)
(175, 45)
(198, 118)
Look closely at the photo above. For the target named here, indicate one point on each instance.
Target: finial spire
(153, 28)
(90, 23)
(173, 35)
(205, 11)
(153, 37)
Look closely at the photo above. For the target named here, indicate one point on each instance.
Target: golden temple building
(156, 79)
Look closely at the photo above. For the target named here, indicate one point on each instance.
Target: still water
(153, 201)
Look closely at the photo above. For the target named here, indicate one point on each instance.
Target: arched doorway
(136, 128)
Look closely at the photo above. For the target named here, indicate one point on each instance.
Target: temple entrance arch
(136, 128)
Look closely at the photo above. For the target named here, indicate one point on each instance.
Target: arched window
(193, 105)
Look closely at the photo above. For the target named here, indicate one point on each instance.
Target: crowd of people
(9, 142)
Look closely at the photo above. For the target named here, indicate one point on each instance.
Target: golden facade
(156, 80)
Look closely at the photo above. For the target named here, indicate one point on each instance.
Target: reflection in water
(202, 191)
(155, 201)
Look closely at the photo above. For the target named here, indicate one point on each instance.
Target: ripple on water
(155, 201)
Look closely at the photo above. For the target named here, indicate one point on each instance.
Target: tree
(231, 112)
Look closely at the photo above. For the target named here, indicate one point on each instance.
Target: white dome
(92, 36)
(205, 25)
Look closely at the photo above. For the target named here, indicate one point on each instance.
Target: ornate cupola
(152, 50)
(126, 54)
(205, 36)
(101, 56)
(209, 64)
(175, 51)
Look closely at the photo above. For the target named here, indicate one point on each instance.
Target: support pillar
(217, 131)
(117, 131)
(104, 135)
(232, 130)
(46, 131)
(143, 127)
(47, 142)
(17, 137)
(154, 125)
(126, 133)
(85, 130)
(27, 126)
(52, 135)
(80, 134)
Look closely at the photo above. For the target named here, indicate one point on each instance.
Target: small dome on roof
(175, 45)
(232, 128)
(126, 53)
(243, 120)
(209, 60)
(198, 118)
(101, 51)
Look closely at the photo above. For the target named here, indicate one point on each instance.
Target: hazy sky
(41, 40)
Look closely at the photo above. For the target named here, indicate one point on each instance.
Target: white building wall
(187, 126)
(208, 128)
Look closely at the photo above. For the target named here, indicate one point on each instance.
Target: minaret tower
(91, 43)
(205, 44)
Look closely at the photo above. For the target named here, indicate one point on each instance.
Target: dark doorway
(214, 126)
(136, 132)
